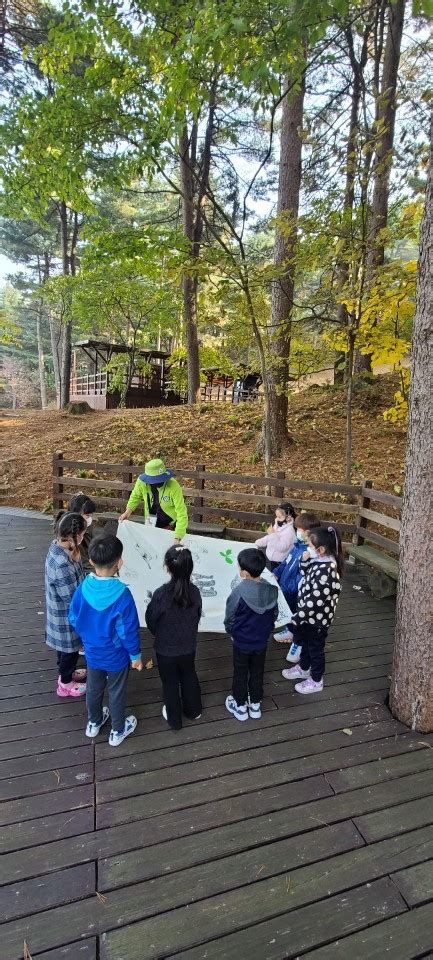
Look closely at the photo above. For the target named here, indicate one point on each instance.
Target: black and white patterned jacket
(318, 593)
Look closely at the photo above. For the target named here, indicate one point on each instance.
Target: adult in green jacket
(162, 498)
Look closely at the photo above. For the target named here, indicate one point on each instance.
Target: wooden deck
(308, 833)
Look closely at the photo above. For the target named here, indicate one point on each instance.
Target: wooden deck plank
(33, 896)
(414, 813)
(416, 883)
(403, 938)
(284, 935)
(61, 801)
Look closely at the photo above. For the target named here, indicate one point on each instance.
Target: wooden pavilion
(90, 379)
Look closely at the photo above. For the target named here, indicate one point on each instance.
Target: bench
(383, 563)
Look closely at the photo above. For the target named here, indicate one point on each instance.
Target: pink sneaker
(295, 673)
(309, 686)
(71, 689)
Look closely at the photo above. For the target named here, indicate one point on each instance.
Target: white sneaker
(294, 654)
(309, 686)
(284, 636)
(296, 673)
(254, 710)
(93, 729)
(116, 738)
(238, 711)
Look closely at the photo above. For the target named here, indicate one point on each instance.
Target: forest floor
(222, 436)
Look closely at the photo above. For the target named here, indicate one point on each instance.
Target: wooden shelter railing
(241, 504)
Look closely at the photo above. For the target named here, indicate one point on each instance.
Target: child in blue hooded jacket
(104, 614)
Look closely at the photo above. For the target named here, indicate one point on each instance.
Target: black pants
(180, 688)
(248, 669)
(66, 663)
(313, 641)
(115, 682)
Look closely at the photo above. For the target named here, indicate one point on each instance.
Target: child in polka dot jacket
(322, 566)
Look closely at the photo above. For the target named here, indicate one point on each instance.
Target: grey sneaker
(93, 729)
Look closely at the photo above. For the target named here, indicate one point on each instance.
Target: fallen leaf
(26, 952)
(57, 775)
(347, 731)
(149, 665)
(20, 548)
(100, 897)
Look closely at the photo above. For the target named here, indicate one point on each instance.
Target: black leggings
(180, 687)
(67, 663)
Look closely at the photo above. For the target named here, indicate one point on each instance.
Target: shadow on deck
(308, 833)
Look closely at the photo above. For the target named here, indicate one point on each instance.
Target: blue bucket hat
(155, 471)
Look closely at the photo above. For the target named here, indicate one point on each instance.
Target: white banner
(215, 570)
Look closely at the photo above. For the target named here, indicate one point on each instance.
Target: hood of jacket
(259, 594)
(102, 592)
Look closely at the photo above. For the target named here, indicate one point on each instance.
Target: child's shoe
(71, 689)
(116, 738)
(284, 636)
(80, 675)
(296, 673)
(309, 686)
(93, 729)
(294, 654)
(238, 711)
(254, 710)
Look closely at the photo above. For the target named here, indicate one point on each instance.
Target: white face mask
(300, 536)
(313, 552)
(89, 521)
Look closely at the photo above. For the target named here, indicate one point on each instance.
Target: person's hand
(306, 555)
(137, 664)
(125, 515)
(270, 529)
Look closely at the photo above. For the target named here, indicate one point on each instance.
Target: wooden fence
(241, 504)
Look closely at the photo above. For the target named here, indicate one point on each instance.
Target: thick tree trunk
(284, 259)
(411, 696)
(188, 282)
(385, 125)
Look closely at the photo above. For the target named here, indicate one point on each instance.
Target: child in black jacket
(322, 566)
(173, 617)
(251, 611)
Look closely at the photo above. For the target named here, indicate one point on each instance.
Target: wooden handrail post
(58, 488)
(126, 474)
(198, 501)
(365, 505)
(279, 490)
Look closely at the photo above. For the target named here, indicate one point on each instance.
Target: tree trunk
(411, 696)
(66, 327)
(385, 125)
(188, 282)
(284, 259)
(349, 403)
(41, 359)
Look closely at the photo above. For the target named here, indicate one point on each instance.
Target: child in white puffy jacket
(280, 537)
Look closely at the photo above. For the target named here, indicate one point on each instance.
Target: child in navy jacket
(251, 611)
(104, 614)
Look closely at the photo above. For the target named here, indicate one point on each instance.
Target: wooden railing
(94, 384)
(242, 504)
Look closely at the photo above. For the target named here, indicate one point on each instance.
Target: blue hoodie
(289, 573)
(104, 615)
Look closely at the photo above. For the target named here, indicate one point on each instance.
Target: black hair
(179, 563)
(288, 509)
(253, 561)
(69, 525)
(329, 538)
(105, 549)
(306, 521)
(81, 503)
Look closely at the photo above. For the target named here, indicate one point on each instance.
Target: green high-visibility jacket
(171, 501)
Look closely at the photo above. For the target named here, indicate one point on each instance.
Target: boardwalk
(308, 833)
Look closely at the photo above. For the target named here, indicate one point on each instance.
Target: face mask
(313, 552)
(89, 521)
(280, 523)
(300, 536)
